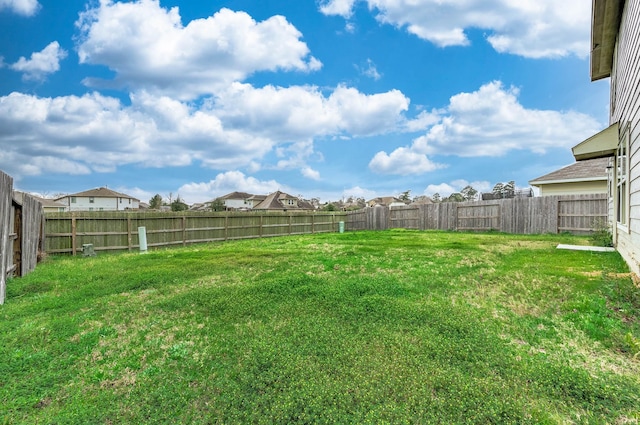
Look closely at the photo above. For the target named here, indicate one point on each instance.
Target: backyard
(394, 327)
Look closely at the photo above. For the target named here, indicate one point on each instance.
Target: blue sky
(319, 98)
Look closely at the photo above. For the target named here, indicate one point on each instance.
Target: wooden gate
(21, 224)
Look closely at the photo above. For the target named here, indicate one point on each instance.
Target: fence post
(260, 231)
(290, 227)
(184, 230)
(313, 223)
(129, 238)
(73, 234)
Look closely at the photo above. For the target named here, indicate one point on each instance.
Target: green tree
(509, 189)
(217, 205)
(329, 207)
(436, 197)
(179, 205)
(498, 189)
(469, 193)
(405, 196)
(455, 197)
(155, 202)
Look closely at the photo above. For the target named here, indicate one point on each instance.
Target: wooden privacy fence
(578, 214)
(118, 231)
(21, 224)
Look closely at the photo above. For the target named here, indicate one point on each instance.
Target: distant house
(582, 177)
(51, 205)
(386, 201)
(422, 200)
(200, 206)
(100, 199)
(237, 201)
(256, 199)
(48, 205)
(280, 201)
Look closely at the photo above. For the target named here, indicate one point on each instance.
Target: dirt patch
(596, 273)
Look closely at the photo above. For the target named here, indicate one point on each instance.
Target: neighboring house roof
(50, 203)
(257, 198)
(422, 201)
(581, 171)
(101, 192)
(236, 195)
(18, 197)
(384, 201)
(199, 206)
(277, 201)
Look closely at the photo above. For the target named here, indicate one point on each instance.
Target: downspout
(614, 181)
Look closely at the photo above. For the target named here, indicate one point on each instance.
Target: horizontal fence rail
(578, 214)
(66, 233)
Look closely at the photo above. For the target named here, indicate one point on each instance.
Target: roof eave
(562, 181)
(600, 145)
(605, 21)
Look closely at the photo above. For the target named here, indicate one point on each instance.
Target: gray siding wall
(625, 109)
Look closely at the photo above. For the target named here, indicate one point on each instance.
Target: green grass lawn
(388, 327)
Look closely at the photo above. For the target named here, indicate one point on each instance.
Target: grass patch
(386, 327)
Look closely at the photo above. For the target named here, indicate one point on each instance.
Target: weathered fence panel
(20, 232)
(577, 214)
(118, 231)
(31, 226)
(6, 229)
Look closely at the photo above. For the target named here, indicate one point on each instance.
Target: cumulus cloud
(148, 47)
(342, 8)
(359, 192)
(100, 133)
(20, 7)
(41, 63)
(491, 121)
(487, 122)
(402, 161)
(232, 131)
(302, 112)
(533, 29)
(230, 181)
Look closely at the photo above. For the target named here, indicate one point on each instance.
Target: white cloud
(363, 115)
(232, 131)
(100, 133)
(487, 122)
(41, 63)
(370, 70)
(21, 7)
(149, 48)
(303, 112)
(310, 173)
(491, 122)
(529, 28)
(402, 161)
(359, 192)
(342, 8)
(227, 182)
